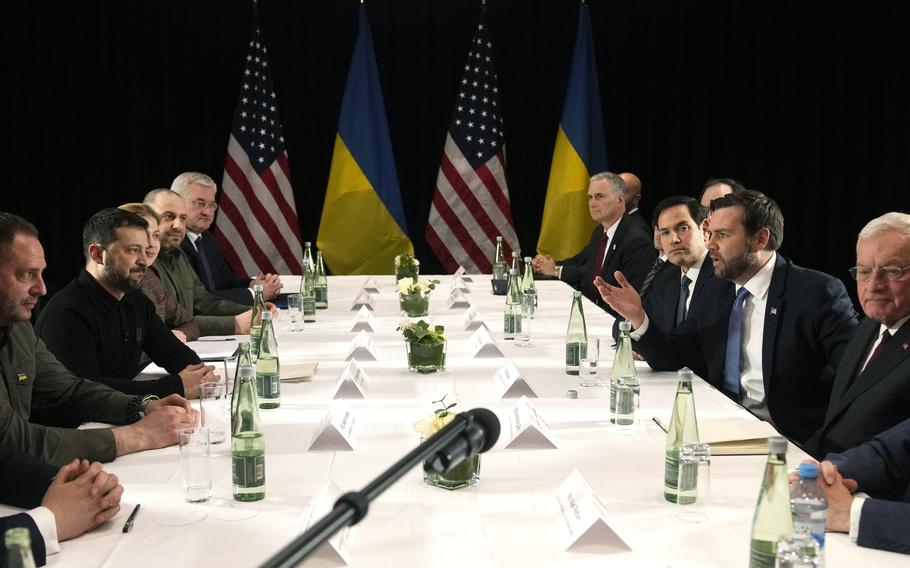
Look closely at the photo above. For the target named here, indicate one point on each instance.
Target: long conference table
(510, 518)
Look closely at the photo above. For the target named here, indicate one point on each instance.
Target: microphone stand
(352, 507)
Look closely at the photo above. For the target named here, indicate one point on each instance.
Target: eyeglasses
(889, 273)
(202, 204)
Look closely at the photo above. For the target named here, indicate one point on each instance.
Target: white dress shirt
(752, 378)
(692, 275)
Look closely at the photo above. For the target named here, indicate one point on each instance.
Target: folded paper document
(732, 437)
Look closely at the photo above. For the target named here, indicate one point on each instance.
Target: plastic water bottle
(808, 503)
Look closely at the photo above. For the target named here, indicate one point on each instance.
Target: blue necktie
(204, 265)
(683, 296)
(732, 370)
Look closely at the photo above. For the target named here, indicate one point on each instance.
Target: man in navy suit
(198, 192)
(770, 332)
(617, 244)
(872, 386)
(64, 503)
(881, 469)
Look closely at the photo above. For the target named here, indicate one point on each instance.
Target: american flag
(257, 227)
(471, 204)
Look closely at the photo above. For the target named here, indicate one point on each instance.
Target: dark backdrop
(805, 101)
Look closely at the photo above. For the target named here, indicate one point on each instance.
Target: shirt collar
(893, 329)
(760, 282)
(693, 271)
(611, 230)
(192, 236)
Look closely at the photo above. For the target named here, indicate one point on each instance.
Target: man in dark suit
(881, 469)
(617, 244)
(872, 386)
(770, 332)
(198, 192)
(633, 198)
(62, 502)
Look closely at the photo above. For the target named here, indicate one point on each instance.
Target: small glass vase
(465, 474)
(410, 271)
(414, 305)
(426, 358)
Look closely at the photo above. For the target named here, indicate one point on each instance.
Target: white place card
(459, 284)
(471, 319)
(362, 348)
(483, 344)
(371, 285)
(584, 525)
(363, 320)
(457, 300)
(463, 274)
(527, 429)
(510, 383)
(363, 299)
(351, 382)
(335, 431)
(337, 549)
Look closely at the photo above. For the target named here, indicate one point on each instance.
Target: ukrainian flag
(580, 153)
(363, 226)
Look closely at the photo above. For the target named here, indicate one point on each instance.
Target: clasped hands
(839, 492)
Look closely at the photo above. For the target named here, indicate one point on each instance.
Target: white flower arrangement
(407, 286)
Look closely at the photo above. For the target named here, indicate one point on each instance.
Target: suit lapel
(611, 246)
(895, 352)
(854, 356)
(705, 274)
(773, 313)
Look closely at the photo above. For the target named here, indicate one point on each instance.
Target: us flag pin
(906, 346)
(773, 311)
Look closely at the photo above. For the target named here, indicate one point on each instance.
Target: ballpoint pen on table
(128, 526)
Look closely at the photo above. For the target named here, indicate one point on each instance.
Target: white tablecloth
(508, 519)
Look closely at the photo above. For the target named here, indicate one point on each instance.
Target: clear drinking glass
(588, 365)
(296, 320)
(195, 464)
(213, 404)
(694, 481)
(523, 339)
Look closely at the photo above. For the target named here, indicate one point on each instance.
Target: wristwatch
(143, 404)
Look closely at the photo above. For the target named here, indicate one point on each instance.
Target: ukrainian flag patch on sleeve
(22, 377)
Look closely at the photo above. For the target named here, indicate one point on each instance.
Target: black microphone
(479, 432)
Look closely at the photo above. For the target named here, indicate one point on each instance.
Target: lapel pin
(773, 311)
(906, 346)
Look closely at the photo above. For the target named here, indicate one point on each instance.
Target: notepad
(296, 372)
(733, 436)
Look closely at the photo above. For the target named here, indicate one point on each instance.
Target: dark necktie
(683, 296)
(655, 268)
(601, 253)
(204, 265)
(881, 345)
(732, 361)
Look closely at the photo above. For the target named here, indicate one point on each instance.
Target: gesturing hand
(623, 298)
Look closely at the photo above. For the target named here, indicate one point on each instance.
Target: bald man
(718, 187)
(633, 196)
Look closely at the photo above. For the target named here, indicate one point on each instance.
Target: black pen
(128, 526)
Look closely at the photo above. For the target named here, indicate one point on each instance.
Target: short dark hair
(759, 212)
(103, 225)
(10, 226)
(734, 184)
(696, 211)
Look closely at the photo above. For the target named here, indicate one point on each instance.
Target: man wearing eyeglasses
(872, 386)
(198, 193)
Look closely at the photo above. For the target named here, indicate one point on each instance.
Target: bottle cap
(257, 287)
(247, 371)
(808, 470)
(498, 239)
(527, 259)
(685, 373)
(777, 445)
(571, 393)
(625, 325)
(513, 271)
(266, 315)
(308, 243)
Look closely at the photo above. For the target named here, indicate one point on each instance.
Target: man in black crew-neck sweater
(99, 325)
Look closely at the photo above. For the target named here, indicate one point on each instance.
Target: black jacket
(227, 284)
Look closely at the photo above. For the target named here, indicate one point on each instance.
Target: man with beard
(99, 325)
(770, 332)
(216, 316)
(34, 382)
